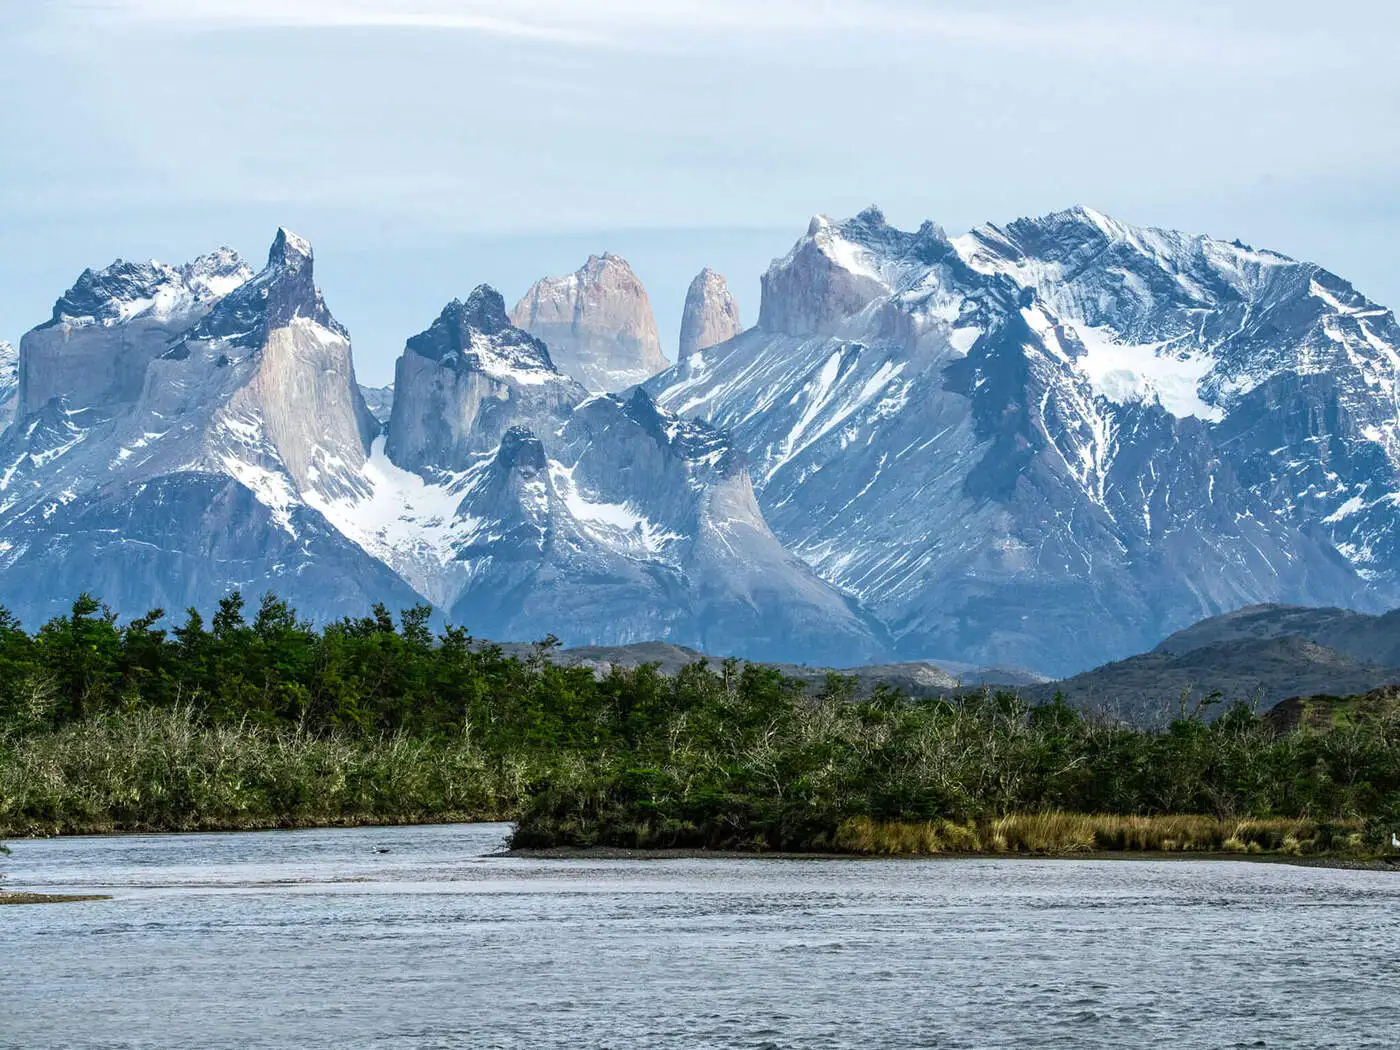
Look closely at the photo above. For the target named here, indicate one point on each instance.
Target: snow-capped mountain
(1053, 442)
(205, 437)
(379, 400)
(1046, 444)
(171, 423)
(583, 515)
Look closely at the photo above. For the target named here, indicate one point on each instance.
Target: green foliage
(267, 720)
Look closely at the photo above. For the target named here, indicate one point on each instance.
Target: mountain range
(1046, 444)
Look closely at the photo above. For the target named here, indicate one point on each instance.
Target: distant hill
(1261, 671)
(1260, 655)
(1371, 639)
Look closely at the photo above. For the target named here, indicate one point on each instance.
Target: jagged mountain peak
(1160, 424)
(840, 267)
(283, 291)
(1190, 320)
(124, 291)
(476, 334)
(692, 440)
(520, 449)
(289, 250)
(215, 274)
(486, 309)
(596, 263)
(465, 380)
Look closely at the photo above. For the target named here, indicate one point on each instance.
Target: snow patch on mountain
(1125, 373)
(617, 525)
(408, 522)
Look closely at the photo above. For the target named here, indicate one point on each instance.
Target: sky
(427, 146)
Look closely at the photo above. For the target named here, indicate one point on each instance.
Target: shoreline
(1334, 861)
(220, 827)
(1384, 862)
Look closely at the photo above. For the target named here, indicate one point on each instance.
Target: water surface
(313, 939)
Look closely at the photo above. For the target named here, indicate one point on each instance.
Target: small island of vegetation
(260, 720)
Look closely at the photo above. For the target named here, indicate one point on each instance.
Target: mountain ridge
(977, 457)
(1048, 444)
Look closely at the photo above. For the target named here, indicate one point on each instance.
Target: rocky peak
(106, 296)
(521, 450)
(213, 275)
(711, 315)
(461, 384)
(280, 293)
(485, 310)
(379, 400)
(125, 291)
(289, 250)
(839, 268)
(478, 334)
(511, 500)
(94, 350)
(597, 322)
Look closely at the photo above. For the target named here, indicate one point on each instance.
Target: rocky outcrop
(711, 315)
(597, 323)
(827, 277)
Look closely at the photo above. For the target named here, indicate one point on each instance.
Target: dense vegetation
(258, 719)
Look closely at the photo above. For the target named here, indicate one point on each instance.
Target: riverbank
(1052, 834)
(256, 822)
(594, 853)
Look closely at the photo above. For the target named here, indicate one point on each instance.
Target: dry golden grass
(1058, 834)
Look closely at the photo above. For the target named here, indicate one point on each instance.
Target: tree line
(257, 718)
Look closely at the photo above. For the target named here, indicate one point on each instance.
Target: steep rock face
(9, 382)
(199, 481)
(711, 315)
(107, 328)
(994, 443)
(828, 276)
(597, 322)
(468, 379)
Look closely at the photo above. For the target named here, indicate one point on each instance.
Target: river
(316, 939)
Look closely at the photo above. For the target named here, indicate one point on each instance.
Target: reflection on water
(314, 939)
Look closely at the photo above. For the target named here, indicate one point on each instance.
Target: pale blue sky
(425, 146)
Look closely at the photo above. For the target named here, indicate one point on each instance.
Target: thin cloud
(335, 14)
(1107, 34)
